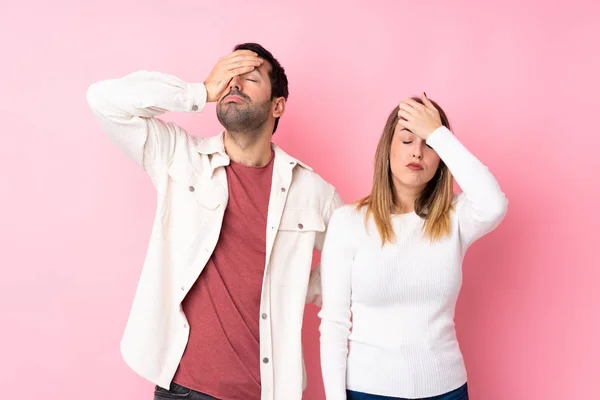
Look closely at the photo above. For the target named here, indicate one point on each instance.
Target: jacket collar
(215, 147)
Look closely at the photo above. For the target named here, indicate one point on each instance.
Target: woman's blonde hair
(434, 203)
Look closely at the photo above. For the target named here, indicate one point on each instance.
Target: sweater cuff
(439, 137)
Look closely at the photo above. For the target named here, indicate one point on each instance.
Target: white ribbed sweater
(402, 297)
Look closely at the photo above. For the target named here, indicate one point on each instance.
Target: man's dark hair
(279, 81)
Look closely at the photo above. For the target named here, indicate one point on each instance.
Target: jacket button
(264, 316)
(266, 360)
(300, 226)
(283, 189)
(192, 188)
(194, 107)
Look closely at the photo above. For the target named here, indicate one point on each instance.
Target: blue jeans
(179, 392)
(459, 394)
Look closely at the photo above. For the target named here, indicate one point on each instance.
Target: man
(219, 306)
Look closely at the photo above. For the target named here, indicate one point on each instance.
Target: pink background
(519, 82)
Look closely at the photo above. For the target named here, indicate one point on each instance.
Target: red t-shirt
(222, 357)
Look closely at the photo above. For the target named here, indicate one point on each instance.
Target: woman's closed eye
(409, 142)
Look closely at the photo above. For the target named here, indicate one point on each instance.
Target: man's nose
(236, 83)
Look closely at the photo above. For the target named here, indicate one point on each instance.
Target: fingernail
(425, 94)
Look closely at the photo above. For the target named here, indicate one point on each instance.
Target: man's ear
(278, 107)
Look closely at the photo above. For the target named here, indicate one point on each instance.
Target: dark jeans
(459, 394)
(179, 392)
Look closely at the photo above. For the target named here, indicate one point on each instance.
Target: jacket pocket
(301, 220)
(185, 183)
(294, 246)
(191, 216)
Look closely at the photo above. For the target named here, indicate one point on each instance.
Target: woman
(392, 262)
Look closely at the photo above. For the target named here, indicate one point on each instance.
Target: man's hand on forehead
(237, 63)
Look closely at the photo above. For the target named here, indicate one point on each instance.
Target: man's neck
(248, 148)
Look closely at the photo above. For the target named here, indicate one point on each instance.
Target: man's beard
(237, 117)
